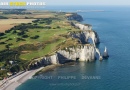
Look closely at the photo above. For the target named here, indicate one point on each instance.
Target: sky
(78, 2)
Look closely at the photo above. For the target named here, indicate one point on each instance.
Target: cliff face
(85, 35)
(83, 27)
(85, 51)
(50, 60)
(80, 53)
(75, 17)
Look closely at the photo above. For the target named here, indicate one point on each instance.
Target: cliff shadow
(62, 59)
(90, 41)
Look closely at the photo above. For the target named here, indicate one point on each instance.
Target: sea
(112, 23)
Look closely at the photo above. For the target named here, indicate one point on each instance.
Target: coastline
(18, 80)
(12, 84)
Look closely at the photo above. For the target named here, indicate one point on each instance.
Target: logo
(22, 3)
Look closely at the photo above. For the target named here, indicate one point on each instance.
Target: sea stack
(105, 54)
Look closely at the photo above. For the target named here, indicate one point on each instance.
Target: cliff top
(45, 34)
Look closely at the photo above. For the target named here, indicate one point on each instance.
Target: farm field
(6, 24)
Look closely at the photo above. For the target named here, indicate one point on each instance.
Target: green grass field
(34, 35)
(41, 52)
(45, 35)
(34, 40)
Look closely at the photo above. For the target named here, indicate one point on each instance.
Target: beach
(13, 83)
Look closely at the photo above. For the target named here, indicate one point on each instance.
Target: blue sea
(113, 28)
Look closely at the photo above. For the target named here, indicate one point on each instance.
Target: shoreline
(18, 80)
(13, 83)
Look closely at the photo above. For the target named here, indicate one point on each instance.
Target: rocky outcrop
(98, 52)
(80, 52)
(48, 60)
(105, 54)
(85, 35)
(83, 26)
(51, 59)
(74, 16)
(84, 51)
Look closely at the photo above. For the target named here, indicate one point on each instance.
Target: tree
(35, 37)
(25, 36)
(15, 68)
(2, 34)
(7, 46)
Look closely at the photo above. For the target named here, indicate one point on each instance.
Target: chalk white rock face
(83, 53)
(83, 27)
(51, 59)
(54, 59)
(87, 53)
(83, 36)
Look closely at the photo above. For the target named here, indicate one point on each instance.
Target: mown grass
(45, 35)
(49, 48)
(49, 39)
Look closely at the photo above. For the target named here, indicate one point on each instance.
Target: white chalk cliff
(81, 52)
(84, 51)
(83, 27)
(85, 35)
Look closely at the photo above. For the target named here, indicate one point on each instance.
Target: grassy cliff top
(37, 38)
(46, 33)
